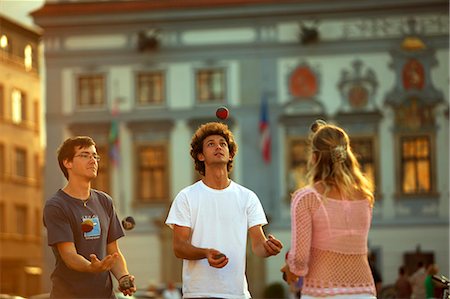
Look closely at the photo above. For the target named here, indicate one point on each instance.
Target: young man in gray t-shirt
(83, 229)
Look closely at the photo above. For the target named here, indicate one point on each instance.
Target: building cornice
(235, 8)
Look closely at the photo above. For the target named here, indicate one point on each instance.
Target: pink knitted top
(329, 244)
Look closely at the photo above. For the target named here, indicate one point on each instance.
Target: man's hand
(273, 246)
(103, 265)
(288, 276)
(127, 285)
(216, 259)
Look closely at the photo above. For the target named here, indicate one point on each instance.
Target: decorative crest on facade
(303, 85)
(357, 88)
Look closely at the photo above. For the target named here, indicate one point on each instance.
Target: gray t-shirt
(63, 216)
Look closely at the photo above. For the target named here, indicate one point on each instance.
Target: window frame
(38, 222)
(37, 115)
(289, 161)
(2, 161)
(23, 107)
(25, 162)
(375, 156)
(3, 218)
(139, 84)
(28, 58)
(21, 222)
(140, 198)
(2, 102)
(211, 98)
(91, 103)
(293, 138)
(432, 168)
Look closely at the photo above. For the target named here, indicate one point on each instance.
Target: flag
(264, 131)
(113, 138)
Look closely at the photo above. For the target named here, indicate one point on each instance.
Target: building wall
(21, 162)
(259, 48)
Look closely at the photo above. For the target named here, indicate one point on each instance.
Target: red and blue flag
(264, 131)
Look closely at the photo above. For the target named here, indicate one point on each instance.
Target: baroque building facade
(141, 76)
(21, 159)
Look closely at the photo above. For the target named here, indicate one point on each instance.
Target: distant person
(171, 292)
(403, 288)
(212, 218)
(330, 221)
(430, 287)
(377, 278)
(83, 229)
(417, 280)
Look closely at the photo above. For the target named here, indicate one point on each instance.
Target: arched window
(28, 57)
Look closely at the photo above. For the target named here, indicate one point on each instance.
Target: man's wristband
(125, 282)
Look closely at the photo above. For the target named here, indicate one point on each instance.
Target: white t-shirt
(219, 219)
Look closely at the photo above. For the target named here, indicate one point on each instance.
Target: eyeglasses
(87, 156)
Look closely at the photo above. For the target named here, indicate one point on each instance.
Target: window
(21, 220)
(2, 218)
(28, 57)
(2, 160)
(152, 171)
(2, 102)
(21, 163)
(19, 108)
(38, 222)
(415, 165)
(4, 43)
(37, 169)
(91, 91)
(364, 152)
(37, 115)
(297, 164)
(150, 88)
(210, 85)
(101, 182)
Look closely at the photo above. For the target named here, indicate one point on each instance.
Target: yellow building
(21, 160)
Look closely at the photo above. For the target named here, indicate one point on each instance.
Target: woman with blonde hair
(331, 219)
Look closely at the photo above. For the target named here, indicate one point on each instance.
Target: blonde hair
(334, 163)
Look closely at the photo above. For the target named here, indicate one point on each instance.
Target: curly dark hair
(208, 129)
(67, 150)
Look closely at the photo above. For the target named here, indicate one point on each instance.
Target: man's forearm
(260, 250)
(120, 267)
(77, 262)
(189, 252)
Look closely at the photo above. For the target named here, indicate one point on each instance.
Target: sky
(18, 10)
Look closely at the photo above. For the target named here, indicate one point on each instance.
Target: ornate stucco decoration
(413, 96)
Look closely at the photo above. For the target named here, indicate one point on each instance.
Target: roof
(120, 6)
(86, 8)
(7, 22)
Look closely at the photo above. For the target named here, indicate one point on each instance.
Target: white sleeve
(255, 211)
(179, 213)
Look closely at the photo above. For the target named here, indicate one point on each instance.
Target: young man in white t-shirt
(211, 219)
